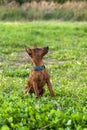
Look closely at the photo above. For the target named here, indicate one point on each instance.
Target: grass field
(67, 65)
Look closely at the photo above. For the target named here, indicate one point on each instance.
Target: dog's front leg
(26, 89)
(35, 87)
(50, 88)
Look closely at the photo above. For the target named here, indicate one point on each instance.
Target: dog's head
(37, 52)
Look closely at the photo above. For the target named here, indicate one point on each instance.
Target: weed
(69, 11)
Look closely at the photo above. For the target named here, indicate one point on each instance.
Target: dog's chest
(39, 77)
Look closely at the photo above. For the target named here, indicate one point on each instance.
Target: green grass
(67, 65)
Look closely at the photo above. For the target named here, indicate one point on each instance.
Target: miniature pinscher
(39, 75)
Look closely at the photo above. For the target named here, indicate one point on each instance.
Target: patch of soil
(22, 58)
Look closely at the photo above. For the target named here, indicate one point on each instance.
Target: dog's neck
(38, 66)
(37, 63)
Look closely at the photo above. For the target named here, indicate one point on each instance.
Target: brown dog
(39, 75)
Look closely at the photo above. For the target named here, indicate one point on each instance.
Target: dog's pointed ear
(28, 50)
(35, 45)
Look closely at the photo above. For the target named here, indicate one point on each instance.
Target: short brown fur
(37, 79)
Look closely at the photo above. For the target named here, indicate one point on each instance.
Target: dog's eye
(37, 49)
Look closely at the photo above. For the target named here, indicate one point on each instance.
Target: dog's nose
(47, 48)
